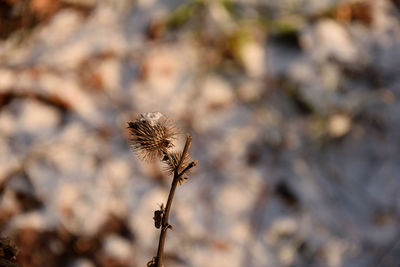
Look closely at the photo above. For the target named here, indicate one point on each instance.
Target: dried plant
(152, 136)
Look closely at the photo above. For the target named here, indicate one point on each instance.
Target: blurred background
(292, 105)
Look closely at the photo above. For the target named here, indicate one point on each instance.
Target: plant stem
(165, 224)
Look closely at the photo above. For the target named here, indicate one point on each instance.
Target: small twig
(188, 167)
(185, 151)
(165, 224)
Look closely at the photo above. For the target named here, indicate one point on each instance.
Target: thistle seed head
(152, 134)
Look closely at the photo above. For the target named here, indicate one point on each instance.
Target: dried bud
(152, 135)
(172, 163)
(158, 216)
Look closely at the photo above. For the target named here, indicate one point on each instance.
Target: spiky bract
(172, 162)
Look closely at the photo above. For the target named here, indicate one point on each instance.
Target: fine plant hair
(152, 137)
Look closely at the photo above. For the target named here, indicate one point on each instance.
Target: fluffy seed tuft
(152, 134)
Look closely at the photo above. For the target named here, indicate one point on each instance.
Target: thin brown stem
(165, 224)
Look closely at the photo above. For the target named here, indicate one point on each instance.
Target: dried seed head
(172, 163)
(152, 135)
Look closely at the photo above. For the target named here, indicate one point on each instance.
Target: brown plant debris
(8, 253)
